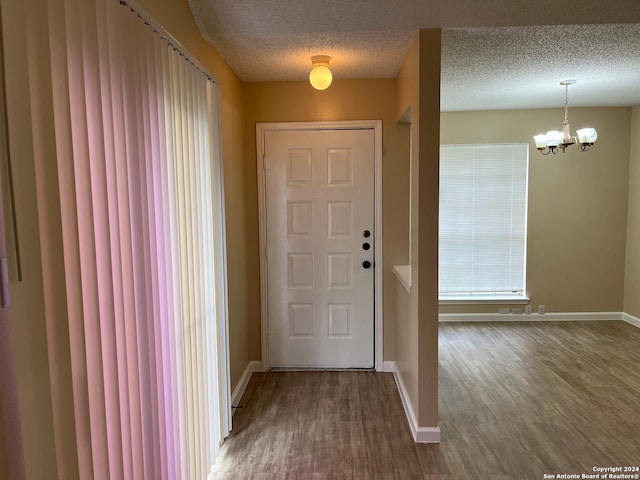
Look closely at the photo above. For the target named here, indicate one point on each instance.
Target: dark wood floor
(517, 401)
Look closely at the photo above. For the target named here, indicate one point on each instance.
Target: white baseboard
(535, 317)
(244, 381)
(635, 321)
(420, 434)
(427, 435)
(387, 367)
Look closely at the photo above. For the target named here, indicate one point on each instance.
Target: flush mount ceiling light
(555, 140)
(320, 76)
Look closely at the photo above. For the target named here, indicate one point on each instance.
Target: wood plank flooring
(517, 401)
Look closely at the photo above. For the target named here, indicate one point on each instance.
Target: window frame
(486, 296)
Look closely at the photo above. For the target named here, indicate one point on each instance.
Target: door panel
(319, 188)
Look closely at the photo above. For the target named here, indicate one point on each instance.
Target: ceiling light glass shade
(320, 76)
(541, 141)
(554, 138)
(587, 135)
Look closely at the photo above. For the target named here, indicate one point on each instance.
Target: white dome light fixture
(320, 76)
(555, 140)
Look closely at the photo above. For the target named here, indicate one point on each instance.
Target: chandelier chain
(566, 104)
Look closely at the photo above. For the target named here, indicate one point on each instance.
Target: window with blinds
(483, 221)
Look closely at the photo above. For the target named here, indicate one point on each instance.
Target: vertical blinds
(140, 179)
(483, 219)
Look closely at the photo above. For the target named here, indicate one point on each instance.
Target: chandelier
(555, 140)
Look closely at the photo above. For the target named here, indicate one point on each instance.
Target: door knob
(366, 234)
(366, 246)
(366, 264)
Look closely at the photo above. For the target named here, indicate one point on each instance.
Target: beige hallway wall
(632, 273)
(374, 99)
(417, 312)
(406, 306)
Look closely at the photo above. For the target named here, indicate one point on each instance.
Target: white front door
(319, 189)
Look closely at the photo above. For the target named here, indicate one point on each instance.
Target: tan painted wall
(577, 205)
(406, 307)
(632, 273)
(344, 100)
(395, 237)
(417, 313)
(427, 225)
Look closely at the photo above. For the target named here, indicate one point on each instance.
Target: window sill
(403, 274)
(483, 299)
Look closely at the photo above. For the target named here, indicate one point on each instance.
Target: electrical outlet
(527, 309)
(504, 311)
(516, 311)
(541, 310)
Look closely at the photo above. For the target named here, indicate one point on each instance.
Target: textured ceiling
(521, 67)
(496, 54)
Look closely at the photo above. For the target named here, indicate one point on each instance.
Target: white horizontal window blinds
(140, 179)
(483, 219)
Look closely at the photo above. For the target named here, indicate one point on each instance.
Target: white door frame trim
(376, 126)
